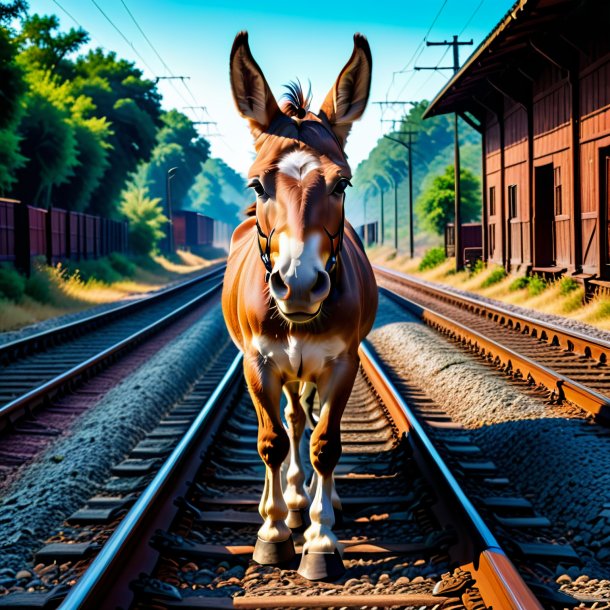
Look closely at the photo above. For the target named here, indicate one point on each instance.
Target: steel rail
(28, 345)
(106, 583)
(563, 386)
(97, 587)
(570, 340)
(17, 407)
(497, 577)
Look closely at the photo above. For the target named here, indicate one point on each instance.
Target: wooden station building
(538, 90)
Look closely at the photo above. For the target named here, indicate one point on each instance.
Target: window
(492, 200)
(512, 201)
(558, 197)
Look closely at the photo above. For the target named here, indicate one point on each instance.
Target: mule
(299, 295)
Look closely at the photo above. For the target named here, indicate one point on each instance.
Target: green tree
(435, 206)
(146, 220)
(178, 145)
(44, 47)
(131, 105)
(12, 89)
(47, 139)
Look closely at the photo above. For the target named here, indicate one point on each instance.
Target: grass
(561, 297)
(76, 286)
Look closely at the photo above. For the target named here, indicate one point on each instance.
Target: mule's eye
(258, 188)
(341, 186)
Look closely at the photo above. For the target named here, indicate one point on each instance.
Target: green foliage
(47, 140)
(432, 258)
(89, 270)
(435, 206)
(519, 283)
(476, 268)
(131, 105)
(38, 286)
(146, 220)
(495, 277)
(218, 192)
(121, 264)
(431, 153)
(12, 284)
(536, 285)
(567, 285)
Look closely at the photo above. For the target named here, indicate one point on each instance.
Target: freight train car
(27, 232)
(472, 241)
(196, 232)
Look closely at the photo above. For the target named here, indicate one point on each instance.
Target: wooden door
(604, 207)
(544, 214)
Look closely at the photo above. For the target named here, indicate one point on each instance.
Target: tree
(178, 145)
(435, 206)
(146, 220)
(131, 105)
(47, 139)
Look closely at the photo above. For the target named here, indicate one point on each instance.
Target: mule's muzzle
(299, 300)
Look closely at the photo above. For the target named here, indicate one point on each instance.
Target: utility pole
(457, 224)
(409, 146)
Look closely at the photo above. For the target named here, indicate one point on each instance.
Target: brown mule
(299, 295)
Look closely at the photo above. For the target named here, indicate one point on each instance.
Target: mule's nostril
(278, 287)
(321, 286)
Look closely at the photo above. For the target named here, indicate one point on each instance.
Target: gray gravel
(74, 467)
(560, 464)
(562, 321)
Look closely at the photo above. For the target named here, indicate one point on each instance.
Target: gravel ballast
(557, 320)
(559, 464)
(69, 472)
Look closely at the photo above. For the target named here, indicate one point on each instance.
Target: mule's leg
(294, 492)
(274, 544)
(321, 558)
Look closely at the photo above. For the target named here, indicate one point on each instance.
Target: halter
(331, 263)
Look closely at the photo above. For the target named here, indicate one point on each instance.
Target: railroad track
(570, 365)
(412, 538)
(39, 368)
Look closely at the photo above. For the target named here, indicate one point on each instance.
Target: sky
(310, 41)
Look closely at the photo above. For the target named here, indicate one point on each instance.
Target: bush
(519, 284)
(536, 285)
(476, 267)
(12, 284)
(38, 286)
(567, 285)
(432, 258)
(121, 264)
(146, 220)
(497, 275)
(89, 270)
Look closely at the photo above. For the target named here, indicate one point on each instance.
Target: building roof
(513, 34)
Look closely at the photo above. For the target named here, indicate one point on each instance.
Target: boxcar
(7, 229)
(57, 234)
(472, 241)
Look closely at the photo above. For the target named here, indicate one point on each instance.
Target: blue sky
(305, 40)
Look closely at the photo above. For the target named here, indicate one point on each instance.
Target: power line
(99, 8)
(71, 16)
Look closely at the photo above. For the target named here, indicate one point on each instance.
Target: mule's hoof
(273, 553)
(298, 519)
(321, 566)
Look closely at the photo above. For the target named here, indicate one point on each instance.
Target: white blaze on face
(297, 164)
(297, 259)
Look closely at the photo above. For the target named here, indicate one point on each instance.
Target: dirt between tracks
(557, 462)
(69, 471)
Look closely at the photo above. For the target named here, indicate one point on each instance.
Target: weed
(519, 284)
(432, 258)
(496, 276)
(38, 286)
(536, 285)
(121, 264)
(574, 300)
(392, 255)
(567, 285)
(12, 284)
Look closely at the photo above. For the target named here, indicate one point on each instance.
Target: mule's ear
(251, 93)
(347, 99)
